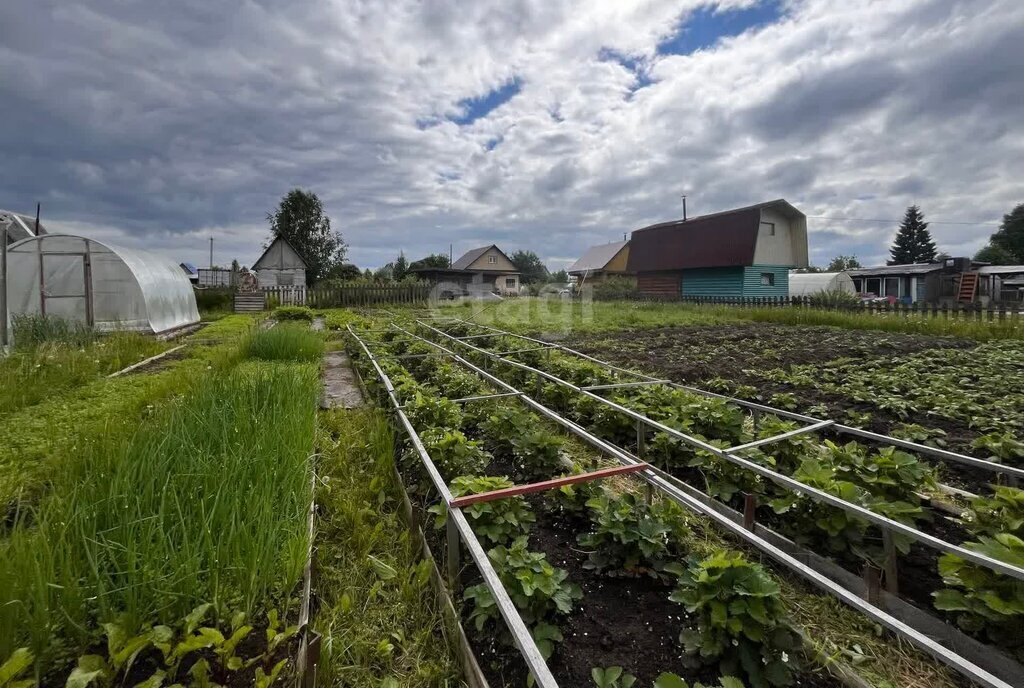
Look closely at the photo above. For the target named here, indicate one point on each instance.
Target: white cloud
(158, 126)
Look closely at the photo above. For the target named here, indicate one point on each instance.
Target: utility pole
(3, 287)
(211, 253)
(684, 207)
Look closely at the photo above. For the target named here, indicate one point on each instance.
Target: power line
(868, 219)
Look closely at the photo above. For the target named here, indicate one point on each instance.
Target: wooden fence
(356, 295)
(965, 311)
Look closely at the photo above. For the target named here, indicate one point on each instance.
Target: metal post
(872, 586)
(749, 510)
(891, 566)
(454, 555)
(3, 288)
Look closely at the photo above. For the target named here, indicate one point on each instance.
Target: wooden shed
(280, 266)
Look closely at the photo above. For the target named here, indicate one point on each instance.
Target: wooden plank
(517, 490)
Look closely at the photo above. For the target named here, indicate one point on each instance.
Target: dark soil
(739, 352)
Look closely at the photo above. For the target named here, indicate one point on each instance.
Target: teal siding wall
(713, 282)
(752, 286)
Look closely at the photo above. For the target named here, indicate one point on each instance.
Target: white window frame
(492, 259)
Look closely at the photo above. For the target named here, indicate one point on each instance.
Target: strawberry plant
(453, 453)
(741, 622)
(1003, 447)
(425, 411)
(627, 536)
(539, 590)
(612, 677)
(503, 424)
(932, 437)
(1002, 512)
(888, 473)
(982, 601)
(499, 521)
(539, 453)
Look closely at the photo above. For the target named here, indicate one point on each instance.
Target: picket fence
(338, 297)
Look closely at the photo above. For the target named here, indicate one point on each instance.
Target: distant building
(484, 269)
(601, 262)
(746, 252)
(280, 266)
(946, 282)
(191, 271)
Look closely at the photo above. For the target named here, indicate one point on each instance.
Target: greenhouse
(811, 283)
(104, 286)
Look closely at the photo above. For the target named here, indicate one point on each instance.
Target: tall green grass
(286, 342)
(34, 373)
(32, 330)
(378, 612)
(204, 503)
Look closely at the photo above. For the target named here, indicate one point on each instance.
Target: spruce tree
(913, 243)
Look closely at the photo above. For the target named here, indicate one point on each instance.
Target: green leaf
(19, 660)
(950, 601)
(667, 680)
(196, 617)
(265, 681)
(730, 682)
(383, 571)
(89, 669)
(154, 681)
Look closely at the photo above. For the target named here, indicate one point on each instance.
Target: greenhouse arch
(104, 286)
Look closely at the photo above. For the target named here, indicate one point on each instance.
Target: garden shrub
(615, 289)
(741, 622)
(292, 313)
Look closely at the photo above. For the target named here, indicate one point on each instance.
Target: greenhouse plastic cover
(130, 289)
(808, 283)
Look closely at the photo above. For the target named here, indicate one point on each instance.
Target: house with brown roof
(746, 252)
(482, 270)
(601, 262)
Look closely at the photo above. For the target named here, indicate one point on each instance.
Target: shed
(280, 266)
(601, 262)
(104, 286)
(810, 283)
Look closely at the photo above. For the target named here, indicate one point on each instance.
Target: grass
(286, 342)
(34, 373)
(204, 503)
(31, 331)
(564, 315)
(378, 612)
(35, 441)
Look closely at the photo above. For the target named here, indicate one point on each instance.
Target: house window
(768, 278)
(874, 286)
(769, 228)
(492, 259)
(510, 282)
(285, 279)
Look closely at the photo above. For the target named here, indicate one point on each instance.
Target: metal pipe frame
(521, 635)
(943, 454)
(664, 483)
(619, 385)
(784, 480)
(784, 436)
(522, 351)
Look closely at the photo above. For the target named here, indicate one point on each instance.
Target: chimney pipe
(684, 208)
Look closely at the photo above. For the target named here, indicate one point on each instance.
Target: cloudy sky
(542, 124)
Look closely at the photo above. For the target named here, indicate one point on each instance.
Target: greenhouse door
(65, 283)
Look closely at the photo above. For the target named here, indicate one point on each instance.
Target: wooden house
(481, 270)
(280, 266)
(746, 252)
(601, 262)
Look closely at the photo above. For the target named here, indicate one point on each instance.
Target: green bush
(292, 313)
(741, 622)
(215, 298)
(284, 343)
(615, 288)
(833, 298)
